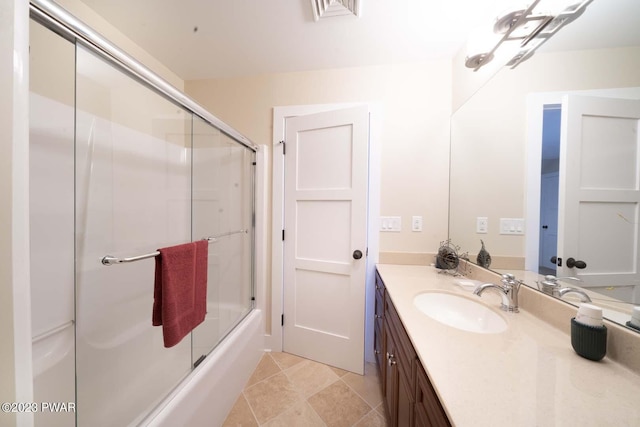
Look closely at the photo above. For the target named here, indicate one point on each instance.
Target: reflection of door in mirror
(599, 193)
(549, 189)
(599, 189)
(607, 236)
(548, 222)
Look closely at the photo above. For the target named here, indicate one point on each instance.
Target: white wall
(15, 325)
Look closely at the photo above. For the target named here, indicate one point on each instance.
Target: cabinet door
(428, 410)
(399, 389)
(405, 404)
(390, 384)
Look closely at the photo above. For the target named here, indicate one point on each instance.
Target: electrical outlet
(416, 223)
(482, 225)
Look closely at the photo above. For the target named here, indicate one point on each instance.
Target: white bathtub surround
(52, 255)
(53, 374)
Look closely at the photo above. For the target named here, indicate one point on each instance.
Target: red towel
(180, 290)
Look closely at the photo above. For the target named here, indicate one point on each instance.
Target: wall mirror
(518, 182)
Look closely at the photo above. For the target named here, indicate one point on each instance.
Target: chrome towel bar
(111, 260)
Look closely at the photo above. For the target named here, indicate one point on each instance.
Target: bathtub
(54, 374)
(207, 395)
(203, 398)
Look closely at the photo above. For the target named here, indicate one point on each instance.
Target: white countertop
(528, 375)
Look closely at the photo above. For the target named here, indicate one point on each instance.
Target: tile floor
(289, 391)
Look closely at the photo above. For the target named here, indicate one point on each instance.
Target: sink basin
(460, 312)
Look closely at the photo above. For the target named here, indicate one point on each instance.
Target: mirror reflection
(545, 163)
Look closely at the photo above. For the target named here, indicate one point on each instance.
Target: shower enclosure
(118, 169)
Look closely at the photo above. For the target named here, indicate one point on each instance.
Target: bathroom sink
(460, 312)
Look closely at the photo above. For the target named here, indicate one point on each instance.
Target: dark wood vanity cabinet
(410, 400)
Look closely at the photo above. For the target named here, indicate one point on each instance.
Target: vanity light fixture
(529, 28)
(330, 8)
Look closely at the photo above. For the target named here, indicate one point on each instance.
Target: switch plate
(416, 223)
(482, 225)
(513, 226)
(390, 223)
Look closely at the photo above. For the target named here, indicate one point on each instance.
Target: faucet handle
(509, 279)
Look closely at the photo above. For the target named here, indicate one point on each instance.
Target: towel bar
(111, 260)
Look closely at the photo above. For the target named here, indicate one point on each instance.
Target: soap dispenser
(588, 332)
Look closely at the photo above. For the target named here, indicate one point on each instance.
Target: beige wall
(466, 81)
(103, 27)
(416, 103)
(60, 72)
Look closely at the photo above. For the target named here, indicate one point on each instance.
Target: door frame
(535, 106)
(274, 335)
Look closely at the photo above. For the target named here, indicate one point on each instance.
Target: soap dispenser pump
(588, 332)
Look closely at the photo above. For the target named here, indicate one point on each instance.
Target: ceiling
(199, 39)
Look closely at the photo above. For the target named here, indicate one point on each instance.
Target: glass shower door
(133, 196)
(223, 209)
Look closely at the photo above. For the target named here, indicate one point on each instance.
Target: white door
(548, 219)
(325, 217)
(599, 194)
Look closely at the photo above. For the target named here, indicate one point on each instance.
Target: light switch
(513, 226)
(416, 223)
(390, 223)
(482, 225)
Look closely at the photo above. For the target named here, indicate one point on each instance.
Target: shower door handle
(357, 254)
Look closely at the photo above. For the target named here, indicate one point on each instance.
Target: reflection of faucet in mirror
(568, 290)
(508, 292)
(550, 283)
(551, 287)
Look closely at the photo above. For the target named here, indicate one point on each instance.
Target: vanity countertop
(528, 375)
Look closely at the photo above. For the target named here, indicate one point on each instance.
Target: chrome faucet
(569, 290)
(508, 291)
(551, 287)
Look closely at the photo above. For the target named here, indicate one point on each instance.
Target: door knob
(357, 254)
(576, 263)
(545, 227)
(556, 260)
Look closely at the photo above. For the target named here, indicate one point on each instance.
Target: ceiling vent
(331, 8)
